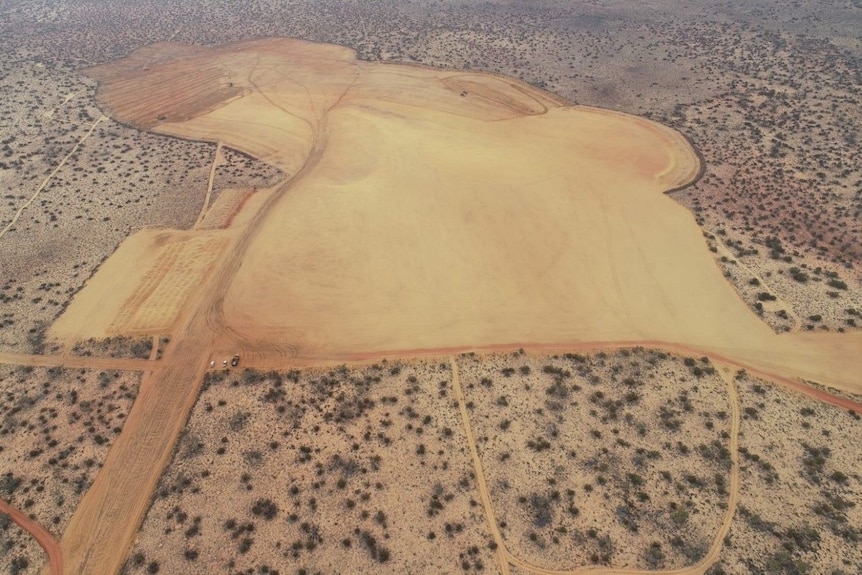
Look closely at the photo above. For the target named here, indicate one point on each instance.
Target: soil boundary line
(538, 348)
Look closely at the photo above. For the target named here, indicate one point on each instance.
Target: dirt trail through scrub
(217, 158)
(426, 212)
(505, 558)
(103, 527)
(769, 373)
(724, 251)
(46, 540)
(48, 178)
(482, 485)
(77, 361)
(50, 113)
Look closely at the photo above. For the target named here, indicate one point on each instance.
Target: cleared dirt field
(444, 209)
(142, 289)
(424, 212)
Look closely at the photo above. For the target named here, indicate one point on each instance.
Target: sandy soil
(57, 428)
(42, 537)
(618, 458)
(444, 209)
(142, 289)
(801, 493)
(422, 209)
(19, 548)
(337, 456)
(325, 450)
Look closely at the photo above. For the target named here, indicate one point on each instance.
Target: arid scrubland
(57, 426)
(19, 552)
(800, 506)
(239, 170)
(617, 458)
(362, 470)
(118, 346)
(116, 181)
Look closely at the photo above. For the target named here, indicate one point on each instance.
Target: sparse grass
(349, 465)
(57, 426)
(613, 458)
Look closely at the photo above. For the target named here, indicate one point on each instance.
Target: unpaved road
(505, 558)
(103, 527)
(45, 540)
(79, 361)
(107, 519)
(51, 175)
(217, 159)
(263, 361)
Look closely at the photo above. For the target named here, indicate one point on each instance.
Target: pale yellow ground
(143, 287)
(432, 208)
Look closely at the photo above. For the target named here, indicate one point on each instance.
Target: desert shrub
(265, 508)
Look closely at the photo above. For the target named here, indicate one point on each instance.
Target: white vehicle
(212, 364)
(224, 363)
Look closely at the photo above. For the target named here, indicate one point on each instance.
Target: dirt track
(104, 525)
(46, 540)
(86, 362)
(217, 158)
(264, 361)
(101, 531)
(505, 558)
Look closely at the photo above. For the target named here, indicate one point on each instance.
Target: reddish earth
(46, 540)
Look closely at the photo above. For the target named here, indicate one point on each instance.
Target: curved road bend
(45, 540)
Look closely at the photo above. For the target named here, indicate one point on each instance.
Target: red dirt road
(45, 539)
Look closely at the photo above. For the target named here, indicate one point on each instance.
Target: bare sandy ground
(423, 209)
(142, 288)
(447, 209)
